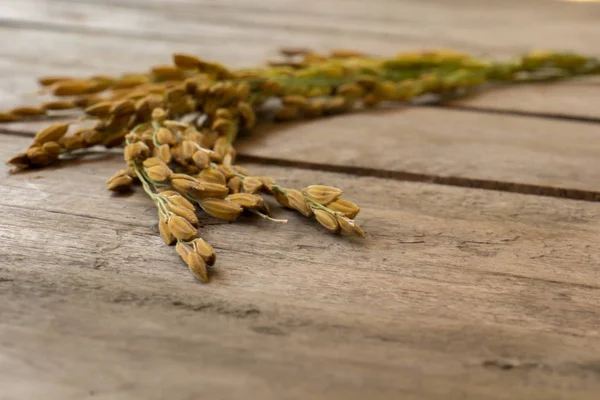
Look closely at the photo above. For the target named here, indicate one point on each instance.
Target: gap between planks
(512, 112)
(398, 175)
(472, 183)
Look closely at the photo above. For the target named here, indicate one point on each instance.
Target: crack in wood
(464, 182)
(516, 113)
(74, 215)
(471, 183)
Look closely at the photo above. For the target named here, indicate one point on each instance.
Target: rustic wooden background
(480, 275)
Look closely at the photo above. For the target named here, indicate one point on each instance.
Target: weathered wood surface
(70, 34)
(455, 293)
(455, 147)
(437, 143)
(31, 54)
(576, 100)
(467, 24)
(475, 290)
(443, 143)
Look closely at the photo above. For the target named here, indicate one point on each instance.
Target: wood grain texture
(31, 54)
(439, 142)
(195, 27)
(487, 294)
(434, 142)
(454, 294)
(451, 147)
(567, 100)
(406, 23)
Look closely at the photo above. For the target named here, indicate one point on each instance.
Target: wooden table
(480, 275)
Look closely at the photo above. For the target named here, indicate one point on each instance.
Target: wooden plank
(155, 33)
(32, 195)
(483, 147)
(482, 292)
(31, 54)
(568, 100)
(18, 85)
(255, 23)
(442, 143)
(78, 53)
(487, 294)
(70, 50)
(405, 23)
(381, 12)
(115, 345)
(90, 176)
(42, 191)
(523, 155)
(182, 26)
